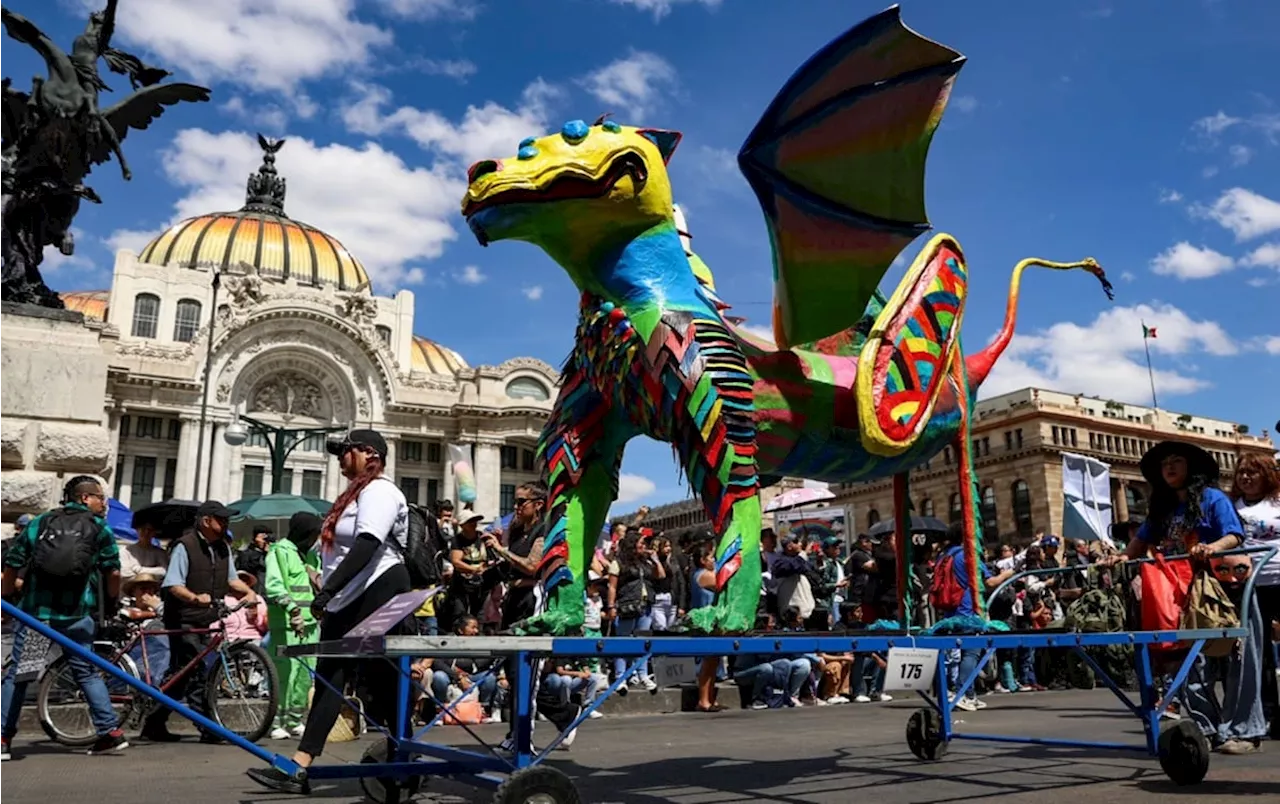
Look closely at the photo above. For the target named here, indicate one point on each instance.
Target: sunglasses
(522, 500)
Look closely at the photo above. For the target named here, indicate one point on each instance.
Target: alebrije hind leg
(582, 461)
(969, 494)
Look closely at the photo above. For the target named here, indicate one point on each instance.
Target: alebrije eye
(526, 152)
(611, 127)
(575, 131)
(527, 141)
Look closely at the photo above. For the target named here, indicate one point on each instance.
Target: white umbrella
(798, 497)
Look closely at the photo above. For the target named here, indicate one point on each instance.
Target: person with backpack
(70, 558)
(951, 594)
(363, 542)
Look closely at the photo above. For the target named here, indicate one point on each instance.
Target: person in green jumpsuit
(289, 591)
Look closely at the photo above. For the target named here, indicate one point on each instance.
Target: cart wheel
(375, 789)
(924, 734)
(540, 784)
(1184, 753)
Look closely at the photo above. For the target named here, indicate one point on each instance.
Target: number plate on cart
(910, 669)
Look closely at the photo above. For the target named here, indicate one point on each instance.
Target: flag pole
(1151, 375)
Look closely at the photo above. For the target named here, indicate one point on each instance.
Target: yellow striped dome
(432, 358)
(260, 234)
(91, 303)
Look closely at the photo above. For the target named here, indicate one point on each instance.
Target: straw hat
(141, 578)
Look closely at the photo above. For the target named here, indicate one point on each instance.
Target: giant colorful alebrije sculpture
(837, 162)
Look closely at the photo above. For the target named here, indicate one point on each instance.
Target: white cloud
(764, 333)
(1170, 196)
(532, 293)
(1265, 256)
(1243, 212)
(634, 487)
(262, 44)
(1214, 125)
(386, 213)
(431, 9)
(1240, 155)
(1105, 356)
(1209, 172)
(470, 275)
(1186, 261)
(1100, 13)
(55, 261)
(486, 131)
(1269, 344)
(964, 104)
(1128, 276)
(661, 8)
(457, 69)
(634, 83)
(269, 117)
(132, 239)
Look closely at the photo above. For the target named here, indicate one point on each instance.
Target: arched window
(926, 507)
(187, 322)
(873, 518)
(527, 388)
(146, 315)
(990, 523)
(1136, 502)
(957, 512)
(384, 334)
(1022, 508)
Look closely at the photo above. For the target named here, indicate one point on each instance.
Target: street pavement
(814, 754)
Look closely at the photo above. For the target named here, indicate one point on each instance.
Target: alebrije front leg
(582, 478)
(738, 574)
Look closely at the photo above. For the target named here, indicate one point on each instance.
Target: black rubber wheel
(62, 709)
(375, 789)
(1184, 753)
(540, 784)
(244, 692)
(924, 734)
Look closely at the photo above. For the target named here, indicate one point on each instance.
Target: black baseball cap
(215, 509)
(358, 438)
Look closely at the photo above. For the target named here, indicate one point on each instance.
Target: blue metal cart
(393, 769)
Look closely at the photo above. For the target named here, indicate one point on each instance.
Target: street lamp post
(204, 390)
(281, 441)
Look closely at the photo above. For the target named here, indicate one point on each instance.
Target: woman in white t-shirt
(361, 547)
(1256, 493)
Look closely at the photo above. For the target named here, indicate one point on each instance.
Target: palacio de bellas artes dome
(299, 341)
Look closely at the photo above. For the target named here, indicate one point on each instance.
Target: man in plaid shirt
(65, 603)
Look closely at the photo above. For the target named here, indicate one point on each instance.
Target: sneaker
(967, 704)
(111, 741)
(494, 718)
(821, 702)
(298, 730)
(793, 701)
(978, 703)
(862, 698)
(4, 751)
(885, 697)
(649, 684)
(281, 782)
(837, 699)
(595, 715)
(759, 705)
(280, 734)
(1240, 747)
(567, 742)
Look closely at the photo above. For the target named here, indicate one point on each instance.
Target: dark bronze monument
(54, 136)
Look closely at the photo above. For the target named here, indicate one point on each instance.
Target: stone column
(488, 468)
(333, 479)
(126, 483)
(393, 446)
(447, 491)
(216, 480)
(187, 443)
(1120, 502)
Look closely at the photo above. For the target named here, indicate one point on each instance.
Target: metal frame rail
(398, 766)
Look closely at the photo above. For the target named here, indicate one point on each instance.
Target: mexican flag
(1148, 332)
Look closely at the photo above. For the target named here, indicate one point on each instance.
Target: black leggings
(1268, 598)
(377, 678)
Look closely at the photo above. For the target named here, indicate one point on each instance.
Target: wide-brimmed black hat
(358, 438)
(1199, 462)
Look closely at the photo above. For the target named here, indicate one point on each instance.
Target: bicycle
(241, 676)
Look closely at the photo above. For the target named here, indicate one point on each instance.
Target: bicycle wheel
(243, 690)
(61, 706)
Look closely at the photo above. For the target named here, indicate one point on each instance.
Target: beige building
(290, 334)
(1019, 438)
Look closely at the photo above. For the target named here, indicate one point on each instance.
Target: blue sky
(1145, 133)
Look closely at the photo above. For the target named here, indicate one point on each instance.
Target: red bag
(1164, 596)
(945, 593)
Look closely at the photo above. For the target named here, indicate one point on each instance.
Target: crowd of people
(326, 575)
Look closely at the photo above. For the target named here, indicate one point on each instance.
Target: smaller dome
(90, 303)
(433, 358)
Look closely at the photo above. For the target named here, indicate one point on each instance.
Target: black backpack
(425, 548)
(66, 544)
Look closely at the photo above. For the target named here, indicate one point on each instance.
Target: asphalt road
(828, 754)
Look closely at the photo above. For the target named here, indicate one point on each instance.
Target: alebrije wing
(837, 162)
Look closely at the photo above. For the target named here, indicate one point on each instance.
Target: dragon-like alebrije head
(577, 193)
